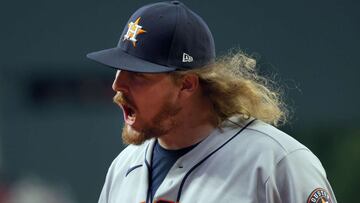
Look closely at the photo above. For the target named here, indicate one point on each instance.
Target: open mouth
(129, 111)
(129, 114)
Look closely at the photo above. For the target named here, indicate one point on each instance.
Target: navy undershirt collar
(162, 161)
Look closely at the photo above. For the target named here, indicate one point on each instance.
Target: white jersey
(250, 163)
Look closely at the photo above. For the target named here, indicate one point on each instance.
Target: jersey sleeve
(298, 177)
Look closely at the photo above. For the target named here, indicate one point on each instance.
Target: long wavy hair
(235, 88)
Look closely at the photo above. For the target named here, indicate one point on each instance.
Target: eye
(139, 75)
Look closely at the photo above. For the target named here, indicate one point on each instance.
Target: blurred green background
(59, 130)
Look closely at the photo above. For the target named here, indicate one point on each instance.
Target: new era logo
(187, 58)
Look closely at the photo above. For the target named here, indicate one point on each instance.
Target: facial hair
(162, 123)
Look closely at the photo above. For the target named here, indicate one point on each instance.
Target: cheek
(150, 99)
(148, 104)
(151, 104)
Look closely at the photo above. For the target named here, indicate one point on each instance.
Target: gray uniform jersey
(253, 162)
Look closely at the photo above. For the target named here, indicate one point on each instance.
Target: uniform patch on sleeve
(319, 195)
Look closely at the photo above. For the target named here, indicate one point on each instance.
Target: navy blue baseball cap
(161, 37)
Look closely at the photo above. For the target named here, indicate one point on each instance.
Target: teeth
(129, 114)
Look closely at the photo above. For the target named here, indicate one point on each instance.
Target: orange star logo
(134, 29)
(324, 200)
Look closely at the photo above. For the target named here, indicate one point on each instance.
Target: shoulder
(280, 162)
(269, 136)
(279, 153)
(267, 148)
(274, 141)
(290, 170)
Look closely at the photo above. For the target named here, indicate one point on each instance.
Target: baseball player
(199, 129)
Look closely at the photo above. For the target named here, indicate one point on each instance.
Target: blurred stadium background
(59, 130)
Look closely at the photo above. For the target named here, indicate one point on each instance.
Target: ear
(189, 84)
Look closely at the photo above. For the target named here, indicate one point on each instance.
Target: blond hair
(235, 88)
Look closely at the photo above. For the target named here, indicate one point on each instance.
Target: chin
(132, 136)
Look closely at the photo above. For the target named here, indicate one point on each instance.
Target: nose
(120, 82)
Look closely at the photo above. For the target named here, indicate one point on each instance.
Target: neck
(195, 125)
(186, 138)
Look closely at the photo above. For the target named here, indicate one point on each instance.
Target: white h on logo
(133, 30)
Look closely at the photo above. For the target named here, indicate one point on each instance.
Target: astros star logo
(134, 29)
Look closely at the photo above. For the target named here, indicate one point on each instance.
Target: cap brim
(118, 59)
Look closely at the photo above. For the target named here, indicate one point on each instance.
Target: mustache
(123, 100)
